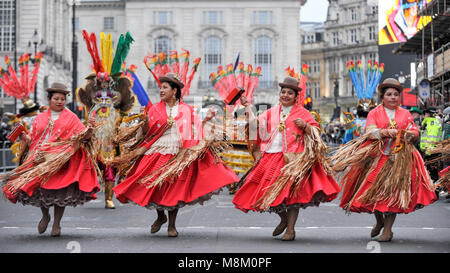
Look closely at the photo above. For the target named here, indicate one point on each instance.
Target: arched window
(163, 44)
(213, 55)
(263, 58)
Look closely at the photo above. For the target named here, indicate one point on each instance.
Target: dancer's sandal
(376, 230)
(157, 224)
(288, 236)
(279, 229)
(42, 226)
(386, 238)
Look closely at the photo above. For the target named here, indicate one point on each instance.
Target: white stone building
(265, 33)
(349, 33)
(51, 20)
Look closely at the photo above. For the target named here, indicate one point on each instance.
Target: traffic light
(307, 103)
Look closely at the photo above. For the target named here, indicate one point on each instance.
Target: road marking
(328, 204)
(83, 228)
(11, 227)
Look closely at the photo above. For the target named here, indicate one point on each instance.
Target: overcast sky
(314, 11)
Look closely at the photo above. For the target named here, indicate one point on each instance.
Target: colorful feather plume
(301, 78)
(106, 63)
(158, 65)
(91, 43)
(122, 50)
(20, 87)
(365, 88)
(226, 81)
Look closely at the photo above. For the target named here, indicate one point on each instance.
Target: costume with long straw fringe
(174, 165)
(59, 168)
(293, 175)
(384, 174)
(21, 87)
(108, 96)
(442, 150)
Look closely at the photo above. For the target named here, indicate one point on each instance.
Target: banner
(398, 20)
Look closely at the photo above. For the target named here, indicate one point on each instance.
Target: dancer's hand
(210, 114)
(410, 136)
(389, 133)
(25, 137)
(244, 101)
(300, 123)
(92, 122)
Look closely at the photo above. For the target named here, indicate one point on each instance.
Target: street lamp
(74, 57)
(35, 41)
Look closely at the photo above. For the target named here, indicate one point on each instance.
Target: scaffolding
(432, 46)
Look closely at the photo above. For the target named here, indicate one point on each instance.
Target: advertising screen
(398, 20)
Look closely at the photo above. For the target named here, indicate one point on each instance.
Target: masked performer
(175, 165)
(108, 97)
(60, 168)
(292, 172)
(384, 173)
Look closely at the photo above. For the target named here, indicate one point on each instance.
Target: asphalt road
(217, 227)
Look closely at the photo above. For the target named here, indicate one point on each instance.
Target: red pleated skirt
(196, 184)
(318, 187)
(74, 184)
(420, 195)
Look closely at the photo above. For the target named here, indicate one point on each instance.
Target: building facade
(349, 33)
(263, 33)
(30, 26)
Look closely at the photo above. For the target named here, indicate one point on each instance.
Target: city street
(217, 227)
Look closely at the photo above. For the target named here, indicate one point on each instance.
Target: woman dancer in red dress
(292, 172)
(175, 167)
(58, 170)
(384, 173)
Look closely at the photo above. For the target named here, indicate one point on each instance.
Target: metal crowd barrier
(6, 157)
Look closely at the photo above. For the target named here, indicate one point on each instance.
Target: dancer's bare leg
(171, 230)
(162, 218)
(42, 226)
(282, 225)
(292, 214)
(58, 214)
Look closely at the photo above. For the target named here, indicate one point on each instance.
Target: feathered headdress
(108, 72)
(228, 84)
(106, 63)
(159, 66)
(301, 78)
(20, 87)
(365, 88)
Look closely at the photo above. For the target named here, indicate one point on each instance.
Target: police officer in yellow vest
(430, 133)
